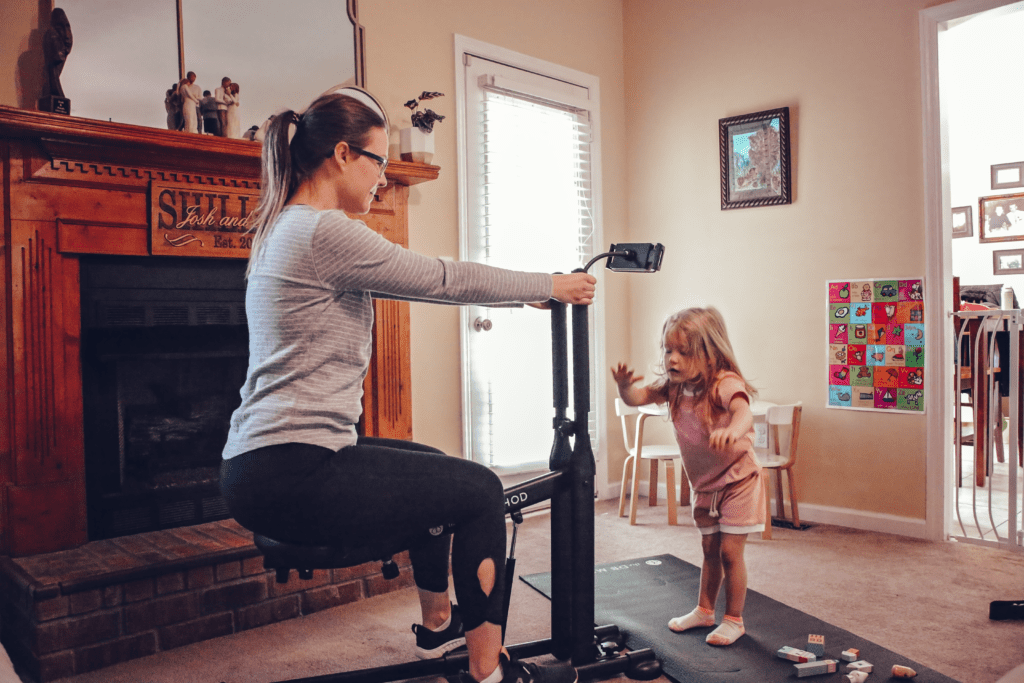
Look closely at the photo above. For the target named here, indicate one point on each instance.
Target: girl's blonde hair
(700, 332)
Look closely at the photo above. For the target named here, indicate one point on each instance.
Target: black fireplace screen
(164, 354)
(173, 415)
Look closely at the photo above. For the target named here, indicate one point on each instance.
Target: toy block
(851, 655)
(795, 655)
(860, 665)
(816, 644)
(900, 671)
(856, 677)
(825, 666)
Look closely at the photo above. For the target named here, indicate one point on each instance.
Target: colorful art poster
(876, 346)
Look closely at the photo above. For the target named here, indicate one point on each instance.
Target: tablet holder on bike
(569, 485)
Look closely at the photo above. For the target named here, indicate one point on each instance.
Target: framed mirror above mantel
(82, 188)
(126, 54)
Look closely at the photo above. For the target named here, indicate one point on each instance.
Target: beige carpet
(927, 601)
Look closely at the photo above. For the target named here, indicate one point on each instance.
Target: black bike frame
(569, 485)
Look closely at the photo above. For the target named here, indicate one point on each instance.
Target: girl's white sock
(698, 618)
(495, 676)
(728, 631)
(446, 624)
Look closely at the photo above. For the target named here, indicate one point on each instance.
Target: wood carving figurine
(56, 47)
(234, 129)
(191, 94)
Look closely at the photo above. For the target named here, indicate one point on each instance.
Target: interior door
(530, 208)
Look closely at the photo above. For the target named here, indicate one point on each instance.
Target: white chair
(655, 454)
(780, 460)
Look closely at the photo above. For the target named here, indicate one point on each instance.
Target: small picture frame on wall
(1001, 218)
(962, 224)
(1005, 176)
(1008, 262)
(755, 159)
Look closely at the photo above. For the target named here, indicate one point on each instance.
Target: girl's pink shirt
(707, 469)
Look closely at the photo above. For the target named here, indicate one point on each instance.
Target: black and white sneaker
(522, 672)
(435, 644)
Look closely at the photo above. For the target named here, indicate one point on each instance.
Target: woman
(234, 125)
(294, 466)
(172, 105)
(190, 96)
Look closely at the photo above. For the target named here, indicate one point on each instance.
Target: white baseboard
(863, 520)
(824, 514)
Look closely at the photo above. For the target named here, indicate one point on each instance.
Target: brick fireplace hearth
(109, 601)
(73, 189)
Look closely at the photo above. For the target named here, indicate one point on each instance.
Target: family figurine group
(198, 111)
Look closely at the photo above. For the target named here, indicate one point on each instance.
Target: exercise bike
(569, 485)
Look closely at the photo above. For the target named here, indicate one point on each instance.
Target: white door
(528, 189)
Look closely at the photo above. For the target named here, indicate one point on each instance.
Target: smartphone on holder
(634, 257)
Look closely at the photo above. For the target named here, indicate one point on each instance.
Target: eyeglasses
(381, 161)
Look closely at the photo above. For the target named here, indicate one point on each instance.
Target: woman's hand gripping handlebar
(572, 288)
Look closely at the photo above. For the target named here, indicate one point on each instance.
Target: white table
(757, 408)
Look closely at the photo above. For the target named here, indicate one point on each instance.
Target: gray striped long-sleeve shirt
(309, 306)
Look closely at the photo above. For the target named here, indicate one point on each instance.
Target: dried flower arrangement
(424, 120)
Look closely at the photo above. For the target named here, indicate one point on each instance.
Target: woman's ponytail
(275, 180)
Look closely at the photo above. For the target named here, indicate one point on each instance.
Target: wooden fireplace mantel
(74, 186)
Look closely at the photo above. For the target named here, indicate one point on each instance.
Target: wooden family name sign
(190, 221)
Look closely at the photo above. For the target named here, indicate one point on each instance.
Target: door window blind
(533, 146)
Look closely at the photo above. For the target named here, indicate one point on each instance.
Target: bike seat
(282, 557)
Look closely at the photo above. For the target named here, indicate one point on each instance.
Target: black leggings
(380, 488)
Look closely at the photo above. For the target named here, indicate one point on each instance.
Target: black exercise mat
(641, 595)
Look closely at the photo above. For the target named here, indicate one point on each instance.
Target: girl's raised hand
(624, 377)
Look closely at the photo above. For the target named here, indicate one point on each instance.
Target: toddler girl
(709, 402)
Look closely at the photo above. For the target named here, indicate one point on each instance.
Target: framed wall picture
(755, 160)
(962, 224)
(1001, 218)
(1008, 261)
(1005, 176)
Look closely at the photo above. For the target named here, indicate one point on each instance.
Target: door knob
(482, 324)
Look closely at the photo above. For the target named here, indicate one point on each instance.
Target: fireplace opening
(164, 354)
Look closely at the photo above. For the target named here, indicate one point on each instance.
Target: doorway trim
(938, 251)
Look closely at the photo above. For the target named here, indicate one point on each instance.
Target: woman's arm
(578, 289)
(349, 256)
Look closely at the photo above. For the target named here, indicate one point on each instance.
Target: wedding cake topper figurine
(56, 47)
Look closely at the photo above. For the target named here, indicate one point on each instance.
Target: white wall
(850, 74)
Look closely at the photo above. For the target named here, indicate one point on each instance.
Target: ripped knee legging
(380, 488)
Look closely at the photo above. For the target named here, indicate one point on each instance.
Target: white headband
(351, 91)
(363, 96)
